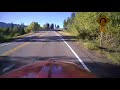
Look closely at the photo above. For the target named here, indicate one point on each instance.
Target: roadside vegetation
(10, 33)
(84, 26)
(50, 26)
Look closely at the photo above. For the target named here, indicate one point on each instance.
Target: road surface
(49, 45)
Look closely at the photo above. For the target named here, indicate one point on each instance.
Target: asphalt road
(49, 45)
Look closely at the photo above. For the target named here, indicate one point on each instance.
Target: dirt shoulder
(94, 55)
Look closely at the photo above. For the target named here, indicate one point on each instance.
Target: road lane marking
(5, 44)
(42, 34)
(24, 35)
(18, 47)
(14, 49)
(74, 53)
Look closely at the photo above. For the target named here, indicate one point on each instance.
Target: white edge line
(4, 44)
(74, 53)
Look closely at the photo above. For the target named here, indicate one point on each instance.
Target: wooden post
(102, 29)
(101, 37)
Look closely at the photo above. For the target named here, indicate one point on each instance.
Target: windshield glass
(62, 44)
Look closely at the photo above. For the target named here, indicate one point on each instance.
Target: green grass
(93, 45)
(7, 38)
(90, 45)
(115, 57)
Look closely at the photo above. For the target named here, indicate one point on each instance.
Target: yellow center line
(14, 49)
(25, 35)
(42, 34)
(18, 47)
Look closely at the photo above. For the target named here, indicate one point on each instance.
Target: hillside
(5, 25)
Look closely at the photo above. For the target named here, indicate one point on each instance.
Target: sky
(40, 17)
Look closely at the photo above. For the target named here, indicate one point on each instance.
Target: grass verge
(93, 45)
(8, 38)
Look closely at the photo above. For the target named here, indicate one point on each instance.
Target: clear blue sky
(40, 17)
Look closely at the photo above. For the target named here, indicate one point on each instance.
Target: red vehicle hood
(49, 69)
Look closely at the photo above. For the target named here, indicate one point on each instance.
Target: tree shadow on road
(46, 39)
(102, 70)
(48, 30)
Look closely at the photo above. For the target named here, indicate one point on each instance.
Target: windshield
(90, 40)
